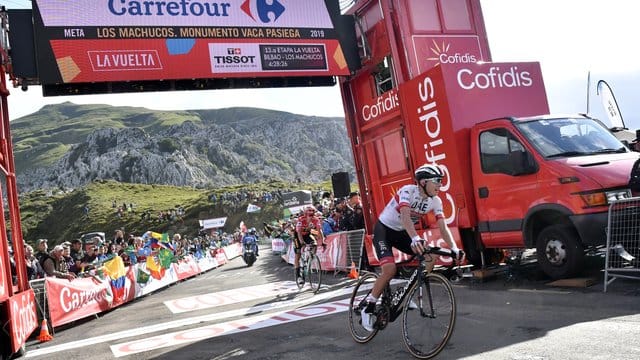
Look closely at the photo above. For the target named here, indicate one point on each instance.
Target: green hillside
(61, 217)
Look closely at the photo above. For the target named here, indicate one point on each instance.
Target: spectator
(66, 253)
(357, 217)
(329, 225)
(118, 237)
(54, 264)
(42, 248)
(89, 259)
(34, 269)
(77, 255)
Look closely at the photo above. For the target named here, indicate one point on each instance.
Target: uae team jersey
(409, 195)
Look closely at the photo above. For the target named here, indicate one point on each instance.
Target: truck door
(504, 179)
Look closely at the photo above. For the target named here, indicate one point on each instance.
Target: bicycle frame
(398, 297)
(395, 301)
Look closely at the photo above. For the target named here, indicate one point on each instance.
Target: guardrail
(623, 241)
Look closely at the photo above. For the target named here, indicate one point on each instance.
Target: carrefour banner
(125, 40)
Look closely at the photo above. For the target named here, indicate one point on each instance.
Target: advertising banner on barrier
(152, 284)
(277, 245)
(77, 299)
(331, 257)
(24, 318)
(186, 268)
(207, 263)
(232, 251)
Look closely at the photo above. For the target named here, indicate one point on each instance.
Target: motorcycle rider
(250, 239)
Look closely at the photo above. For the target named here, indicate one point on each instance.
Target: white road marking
(227, 297)
(137, 332)
(227, 328)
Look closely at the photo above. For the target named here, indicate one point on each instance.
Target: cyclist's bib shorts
(385, 238)
(308, 239)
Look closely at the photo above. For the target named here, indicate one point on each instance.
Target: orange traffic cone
(44, 332)
(353, 274)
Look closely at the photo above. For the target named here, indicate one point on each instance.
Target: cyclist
(395, 228)
(308, 228)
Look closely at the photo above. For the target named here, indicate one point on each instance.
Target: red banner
(76, 299)
(24, 319)
(186, 268)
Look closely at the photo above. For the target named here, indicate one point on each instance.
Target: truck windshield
(564, 137)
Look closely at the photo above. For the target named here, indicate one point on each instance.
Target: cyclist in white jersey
(396, 228)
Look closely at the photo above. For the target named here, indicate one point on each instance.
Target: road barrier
(623, 241)
(61, 301)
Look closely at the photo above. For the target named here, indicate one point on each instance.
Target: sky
(570, 38)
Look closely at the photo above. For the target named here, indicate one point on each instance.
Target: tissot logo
(234, 51)
(267, 11)
(444, 55)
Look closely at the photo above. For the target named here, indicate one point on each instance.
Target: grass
(60, 217)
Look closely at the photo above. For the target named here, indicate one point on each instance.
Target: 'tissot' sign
(124, 40)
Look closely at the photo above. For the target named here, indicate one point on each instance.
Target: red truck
(516, 177)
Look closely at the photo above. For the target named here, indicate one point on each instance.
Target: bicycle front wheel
(314, 273)
(429, 316)
(299, 280)
(356, 304)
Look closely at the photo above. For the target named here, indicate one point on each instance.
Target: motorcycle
(249, 255)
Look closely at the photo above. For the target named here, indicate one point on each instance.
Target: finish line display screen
(89, 41)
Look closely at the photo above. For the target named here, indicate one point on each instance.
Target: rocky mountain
(68, 145)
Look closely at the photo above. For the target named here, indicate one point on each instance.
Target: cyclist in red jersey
(308, 230)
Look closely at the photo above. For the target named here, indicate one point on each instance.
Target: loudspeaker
(341, 184)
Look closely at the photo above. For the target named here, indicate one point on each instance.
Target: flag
(253, 208)
(143, 276)
(116, 271)
(156, 271)
(165, 257)
(610, 105)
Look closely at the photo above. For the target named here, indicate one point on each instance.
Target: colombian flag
(116, 271)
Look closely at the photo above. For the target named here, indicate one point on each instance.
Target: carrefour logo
(266, 11)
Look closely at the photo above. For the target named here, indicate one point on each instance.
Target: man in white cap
(54, 264)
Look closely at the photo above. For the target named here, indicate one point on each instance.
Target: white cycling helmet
(428, 171)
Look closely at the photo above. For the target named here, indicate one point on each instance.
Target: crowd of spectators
(71, 259)
(76, 258)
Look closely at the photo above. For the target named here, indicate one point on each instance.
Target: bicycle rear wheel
(314, 273)
(356, 304)
(429, 316)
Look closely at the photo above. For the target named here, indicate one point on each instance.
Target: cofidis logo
(266, 11)
(442, 53)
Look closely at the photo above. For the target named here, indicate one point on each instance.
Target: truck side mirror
(522, 163)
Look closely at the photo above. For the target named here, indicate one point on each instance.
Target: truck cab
(545, 182)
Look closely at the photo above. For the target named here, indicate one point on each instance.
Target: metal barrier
(354, 240)
(40, 292)
(623, 241)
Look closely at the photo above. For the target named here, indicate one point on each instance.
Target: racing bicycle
(426, 302)
(310, 268)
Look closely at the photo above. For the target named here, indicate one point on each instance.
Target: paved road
(235, 312)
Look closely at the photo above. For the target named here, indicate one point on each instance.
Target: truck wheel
(559, 251)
